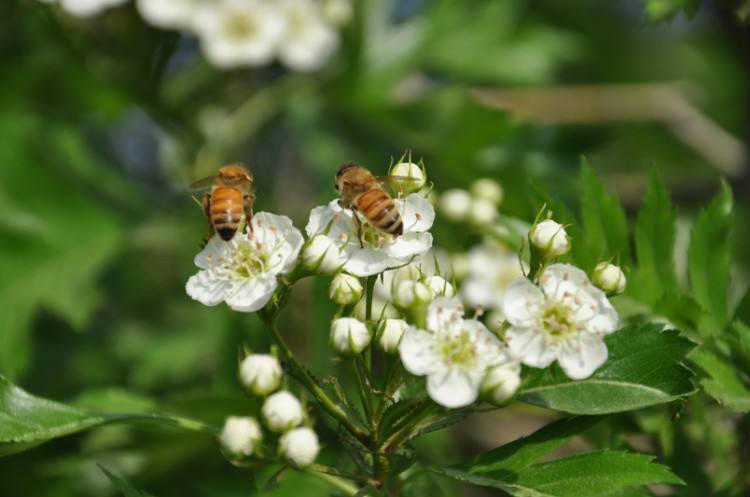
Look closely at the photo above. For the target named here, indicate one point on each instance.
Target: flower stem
(335, 481)
(364, 392)
(420, 412)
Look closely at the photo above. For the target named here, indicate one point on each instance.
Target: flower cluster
(302, 34)
(478, 205)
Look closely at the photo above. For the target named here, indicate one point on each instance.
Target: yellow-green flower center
(241, 26)
(248, 260)
(557, 319)
(458, 349)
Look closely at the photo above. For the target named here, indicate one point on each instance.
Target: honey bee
(229, 202)
(362, 192)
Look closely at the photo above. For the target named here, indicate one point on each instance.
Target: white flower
(412, 293)
(240, 435)
(349, 336)
(482, 212)
(487, 189)
(238, 32)
(491, 270)
(549, 238)
(243, 272)
(564, 319)
(338, 12)
(454, 353)
(88, 8)
(501, 382)
(260, 373)
(455, 204)
(169, 13)
(307, 40)
(282, 411)
(321, 254)
(609, 278)
(299, 446)
(379, 251)
(390, 333)
(409, 176)
(345, 289)
(439, 286)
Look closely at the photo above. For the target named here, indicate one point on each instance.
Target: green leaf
(721, 381)
(709, 261)
(585, 475)
(654, 245)
(644, 368)
(27, 421)
(123, 486)
(603, 218)
(661, 10)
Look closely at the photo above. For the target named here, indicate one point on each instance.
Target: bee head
(235, 174)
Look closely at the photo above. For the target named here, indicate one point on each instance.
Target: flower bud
(455, 204)
(282, 411)
(500, 383)
(440, 287)
(409, 176)
(240, 435)
(390, 333)
(409, 293)
(609, 278)
(260, 373)
(299, 446)
(549, 238)
(487, 189)
(345, 289)
(482, 212)
(322, 255)
(349, 336)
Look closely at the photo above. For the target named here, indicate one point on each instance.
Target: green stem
(336, 482)
(363, 390)
(369, 290)
(420, 412)
(320, 395)
(179, 422)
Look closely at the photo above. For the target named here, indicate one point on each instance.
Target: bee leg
(359, 228)
(206, 204)
(247, 202)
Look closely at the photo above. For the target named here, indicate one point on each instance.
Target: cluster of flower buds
(282, 413)
(478, 205)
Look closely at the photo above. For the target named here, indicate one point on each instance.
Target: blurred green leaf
(660, 10)
(644, 368)
(709, 261)
(122, 485)
(721, 381)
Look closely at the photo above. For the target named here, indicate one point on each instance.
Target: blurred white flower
(501, 382)
(85, 8)
(299, 446)
(412, 293)
(307, 40)
(260, 373)
(177, 14)
(239, 32)
(455, 204)
(338, 12)
(409, 176)
(550, 238)
(322, 255)
(487, 189)
(380, 251)
(491, 270)
(564, 319)
(440, 286)
(345, 289)
(243, 272)
(454, 353)
(240, 435)
(609, 278)
(349, 336)
(282, 411)
(482, 212)
(390, 333)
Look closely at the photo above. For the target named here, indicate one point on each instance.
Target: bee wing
(202, 184)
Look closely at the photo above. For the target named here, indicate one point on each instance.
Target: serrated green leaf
(709, 261)
(654, 245)
(721, 381)
(604, 221)
(644, 368)
(27, 421)
(585, 475)
(122, 485)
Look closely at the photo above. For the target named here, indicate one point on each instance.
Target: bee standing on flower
(230, 201)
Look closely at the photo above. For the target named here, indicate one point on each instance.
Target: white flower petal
(251, 294)
(530, 347)
(279, 238)
(521, 302)
(454, 387)
(214, 252)
(580, 358)
(409, 245)
(417, 213)
(444, 313)
(558, 280)
(366, 261)
(418, 352)
(207, 289)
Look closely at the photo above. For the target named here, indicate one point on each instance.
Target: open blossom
(379, 251)
(565, 318)
(86, 8)
(491, 270)
(454, 353)
(243, 272)
(169, 13)
(307, 40)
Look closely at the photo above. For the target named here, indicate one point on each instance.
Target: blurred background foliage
(103, 123)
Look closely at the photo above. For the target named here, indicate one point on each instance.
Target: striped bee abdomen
(226, 212)
(380, 211)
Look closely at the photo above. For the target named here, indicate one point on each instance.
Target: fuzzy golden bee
(229, 202)
(362, 192)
